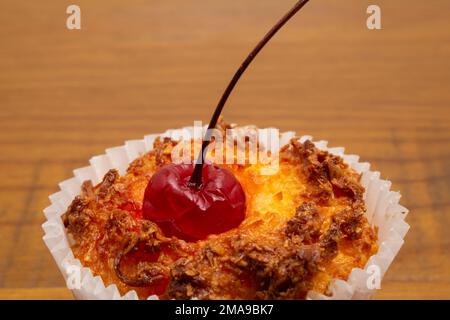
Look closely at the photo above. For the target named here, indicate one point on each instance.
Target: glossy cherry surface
(192, 213)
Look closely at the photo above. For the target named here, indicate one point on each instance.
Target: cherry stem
(196, 178)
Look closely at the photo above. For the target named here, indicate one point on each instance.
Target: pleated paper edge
(383, 210)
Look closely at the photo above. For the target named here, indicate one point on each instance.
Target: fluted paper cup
(383, 212)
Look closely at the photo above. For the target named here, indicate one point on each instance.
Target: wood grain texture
(141, 66)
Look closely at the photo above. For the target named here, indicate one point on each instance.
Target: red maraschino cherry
(193, 213)
(193, 202)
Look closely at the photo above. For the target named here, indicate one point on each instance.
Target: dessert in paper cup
(266, 216)
(321, 225)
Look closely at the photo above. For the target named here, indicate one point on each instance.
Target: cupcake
(321, 226)
(233, 216)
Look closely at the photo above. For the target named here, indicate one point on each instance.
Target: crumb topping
(304, 226)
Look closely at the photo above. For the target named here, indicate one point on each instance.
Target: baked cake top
(304, 226)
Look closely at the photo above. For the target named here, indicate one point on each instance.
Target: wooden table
(142, 66)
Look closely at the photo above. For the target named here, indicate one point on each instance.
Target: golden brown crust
(291, 241)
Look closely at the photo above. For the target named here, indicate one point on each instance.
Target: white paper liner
(383, 211)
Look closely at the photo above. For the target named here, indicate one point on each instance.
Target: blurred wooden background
(141, 66)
